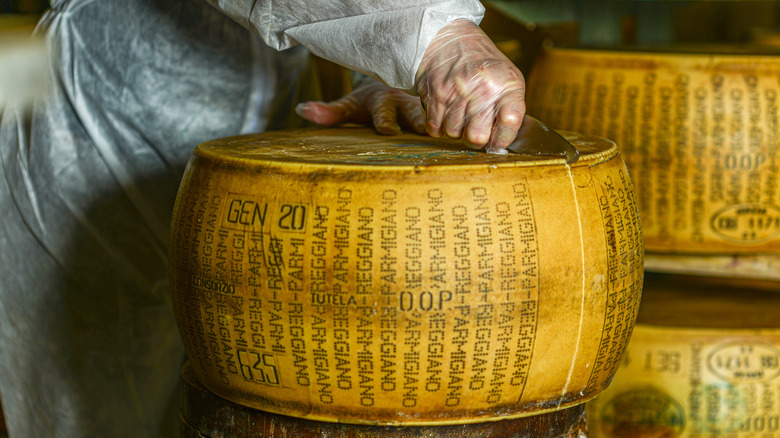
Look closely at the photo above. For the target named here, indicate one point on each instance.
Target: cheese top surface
(358, 146)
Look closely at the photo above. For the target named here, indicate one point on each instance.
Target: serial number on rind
(694, 387)
(393, 299)
(701, 148)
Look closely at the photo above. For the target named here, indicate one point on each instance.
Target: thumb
(327, 113)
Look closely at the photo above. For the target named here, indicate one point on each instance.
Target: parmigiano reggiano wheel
(337, 275)
(702, 361)
(699, 133)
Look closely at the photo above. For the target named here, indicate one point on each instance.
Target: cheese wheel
(703, 361)
(203, 414)
(337, 275)
(699, 133)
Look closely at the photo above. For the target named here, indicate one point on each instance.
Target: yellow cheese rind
(703, 361)
(699, 133)
(692, 383)
(408, 282)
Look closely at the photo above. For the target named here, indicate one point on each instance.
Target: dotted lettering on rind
(387, 303)
(624, 274)
(696, 142)
(530, 278)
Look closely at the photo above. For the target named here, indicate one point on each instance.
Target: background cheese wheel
(703, 361)
(699, 133)
(338, 275)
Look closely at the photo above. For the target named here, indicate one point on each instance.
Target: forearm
(381, 38)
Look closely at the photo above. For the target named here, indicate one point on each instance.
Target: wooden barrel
(704, 361)
(699, 133)
(337, 275)
(204, 415)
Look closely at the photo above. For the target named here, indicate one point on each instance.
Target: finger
(508, 121)
(455, 118)
(477, 132)
(435, 118)
(500, 139)
(433, 107)
(328, 114)
(481, 118)
(412, 114)
(384, 116)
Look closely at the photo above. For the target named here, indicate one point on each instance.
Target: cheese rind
(699, 133)
(704, 360)
(340, 276)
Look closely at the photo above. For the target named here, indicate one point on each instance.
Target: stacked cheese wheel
(704, 360)
(699, 132)
(340, 276)
(700, 136)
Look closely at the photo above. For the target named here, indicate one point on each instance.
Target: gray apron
(88, 343)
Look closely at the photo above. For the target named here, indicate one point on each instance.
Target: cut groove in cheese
(341, 276)
(703, 361)
(699, 133)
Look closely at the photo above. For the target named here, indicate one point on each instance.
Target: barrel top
(679, 301)
(359, 146)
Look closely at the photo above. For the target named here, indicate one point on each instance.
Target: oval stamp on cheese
(642, 413)
(747, 223)
(745, 361)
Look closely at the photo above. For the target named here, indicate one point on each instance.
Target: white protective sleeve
(385, 39)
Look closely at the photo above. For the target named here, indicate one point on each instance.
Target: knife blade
(537, 139)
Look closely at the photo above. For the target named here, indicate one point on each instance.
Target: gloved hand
(470, 89)
(371, 101)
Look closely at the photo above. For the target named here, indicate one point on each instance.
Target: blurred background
(522, 27)
(23, 6)
(22, 59)
(627, 23)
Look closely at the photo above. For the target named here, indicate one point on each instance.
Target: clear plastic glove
(470, 89)
(389, 109)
